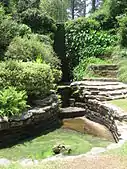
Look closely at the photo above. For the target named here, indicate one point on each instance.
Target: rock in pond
(86, 126)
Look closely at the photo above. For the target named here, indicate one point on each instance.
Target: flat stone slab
(114, 92)
(71, 112)
(72, 109)
(101, 79)
(104, 88)
(96, 83)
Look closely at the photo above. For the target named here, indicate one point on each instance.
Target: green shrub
(42, 38)
(35, 78)
(119, 54)
(38, 21)
(2, 13)
(12, 102)
(123, 70)
(107, 22)
(29, 49)
(123, 30)
(85, 39)
(115, 7)
(8, 30)
(107, 13)
(81, 70)
(23, 5)
(120, 57)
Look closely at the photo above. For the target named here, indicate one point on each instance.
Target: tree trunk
(84, 10)
(93, 5)
(72, 9)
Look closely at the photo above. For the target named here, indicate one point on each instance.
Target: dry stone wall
(100, 112)
(93, 108)
(31, 123)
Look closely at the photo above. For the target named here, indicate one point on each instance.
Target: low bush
(81, 70)
(123, 70)
(120, 57)
(12, 102)
(35, 78)
(119, 54)
(29, 49)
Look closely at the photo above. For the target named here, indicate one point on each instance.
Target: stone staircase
(102, 89)
(89, 98)
(109, 71)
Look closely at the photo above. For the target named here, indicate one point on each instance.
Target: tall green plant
(85, 39)
(12, 102)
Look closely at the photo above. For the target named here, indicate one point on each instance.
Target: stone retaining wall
(97, 111)
(101, 113)
(30, 123)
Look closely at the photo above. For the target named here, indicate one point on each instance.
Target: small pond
(41, 147)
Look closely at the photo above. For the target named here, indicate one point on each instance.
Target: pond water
(41, 147)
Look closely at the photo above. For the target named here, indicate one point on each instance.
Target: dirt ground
(94, 162)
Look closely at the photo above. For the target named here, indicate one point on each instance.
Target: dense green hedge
(36, 79)
(8, 30)
(38, 21)
(85, 39)
(30, 49)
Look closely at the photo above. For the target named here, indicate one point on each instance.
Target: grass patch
(41, 147)
(48, 165)
(122, 103)
(121, 151)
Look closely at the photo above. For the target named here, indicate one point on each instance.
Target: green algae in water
(41, 147)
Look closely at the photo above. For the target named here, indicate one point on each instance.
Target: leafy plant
(36, 78)
(12, 102)
(29, 48)
(38, 21)
(122, 30)
(8, 30)
(120, 57)
(85, 39)
(81, 70)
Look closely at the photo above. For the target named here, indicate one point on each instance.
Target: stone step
(105, 73)
(103, 67)
(97, 97)
(71, 112)
(95, 83)
(101, 79)
(108, 71)
(103, 88)
(113, 93)
(118, 97)
(105, 98)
